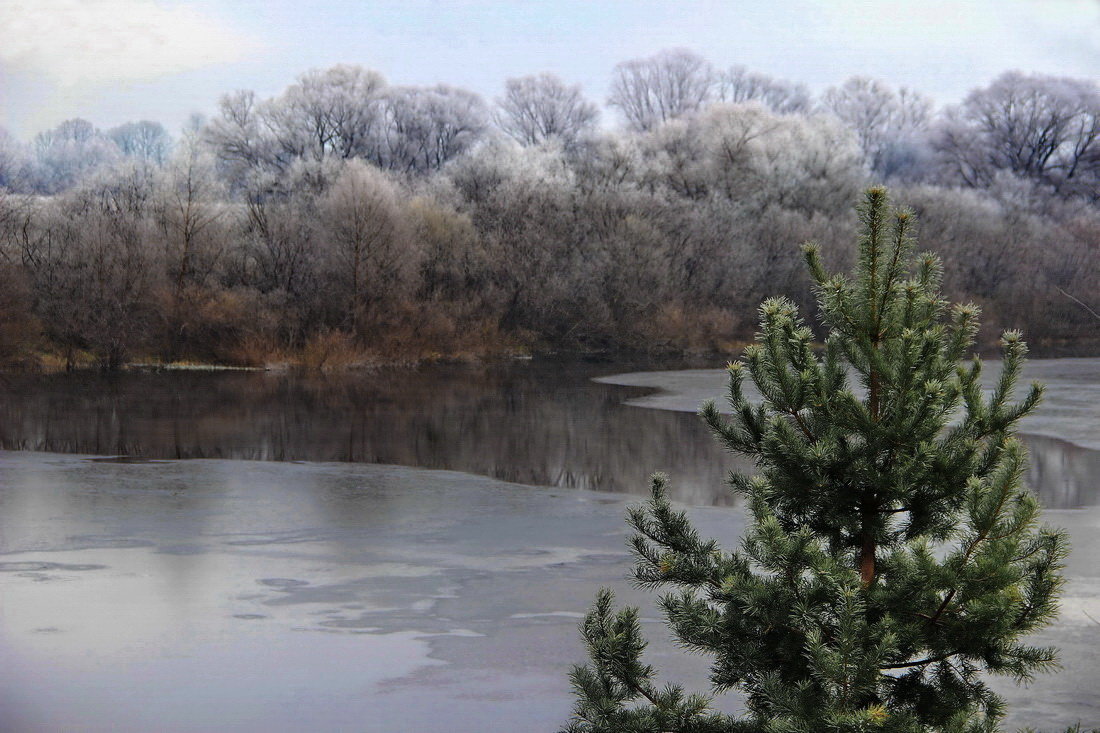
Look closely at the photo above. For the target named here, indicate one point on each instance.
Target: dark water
(529, 422)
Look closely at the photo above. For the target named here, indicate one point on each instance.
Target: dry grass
(674, 328)
(331, 351)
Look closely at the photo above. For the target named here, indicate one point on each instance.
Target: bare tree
(236, 135)
(68, 153)
(426, 127)
(15, 162)
(91, 271)
(737, 84)
(366, 240)
(342, 113)
(18, 328)
(747, 155)
(282, 246)
(1040, 127)
(331, 113)
(521, 201)
(535, 109)
(188, 209)
(144, 140)
(327, 112)
(651, 91)
(886, 122)
(809, 164)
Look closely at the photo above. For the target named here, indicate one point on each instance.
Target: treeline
(347, 220)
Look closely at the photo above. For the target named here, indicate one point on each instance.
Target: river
(390, 551)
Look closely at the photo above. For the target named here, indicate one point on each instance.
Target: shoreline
(1069, 412)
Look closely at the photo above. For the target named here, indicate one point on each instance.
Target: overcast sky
(116, 60)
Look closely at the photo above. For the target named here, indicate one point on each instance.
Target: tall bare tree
(738, 84)
(189, 208)
(333, 111)
(144, 140)
(426, 127)
(535, 109)
(651, 91)
(1040, 127)
(69, 153)
(366, 241)
(236, 135)
(885, 121)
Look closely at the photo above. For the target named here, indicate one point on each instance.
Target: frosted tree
(70, 152)
(366, 240)
(331, 112)
(535, 109)
(888, 123)
(15, 162)
(1039, 127)
(424, 128)
(190, 214)
(144, 140)
(651, 91)
(737, 84)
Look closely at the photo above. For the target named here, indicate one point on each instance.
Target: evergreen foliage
(893, 556)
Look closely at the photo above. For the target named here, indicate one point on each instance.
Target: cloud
(81, 41)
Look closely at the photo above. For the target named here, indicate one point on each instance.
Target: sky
(111, 61)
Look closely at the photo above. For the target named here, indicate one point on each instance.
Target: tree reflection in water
(534, 422)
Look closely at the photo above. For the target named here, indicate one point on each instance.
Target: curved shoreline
(1070, 410)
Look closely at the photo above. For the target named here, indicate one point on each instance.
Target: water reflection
(536, 423)
(1064, 475)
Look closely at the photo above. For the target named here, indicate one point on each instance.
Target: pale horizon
(113, 61)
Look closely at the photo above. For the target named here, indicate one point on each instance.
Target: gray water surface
(160, 594)
(236, 595)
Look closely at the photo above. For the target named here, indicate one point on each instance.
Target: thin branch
(919, 662)
(1080, 303)
(804, 427)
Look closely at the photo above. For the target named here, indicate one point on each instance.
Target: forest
(347, 221)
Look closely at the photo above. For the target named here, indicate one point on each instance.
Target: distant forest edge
(347, 221)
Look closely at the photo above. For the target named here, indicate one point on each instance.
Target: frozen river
(229, 594)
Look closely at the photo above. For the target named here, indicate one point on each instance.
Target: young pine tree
(893, 557)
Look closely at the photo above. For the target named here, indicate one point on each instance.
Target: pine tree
(893, 557)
